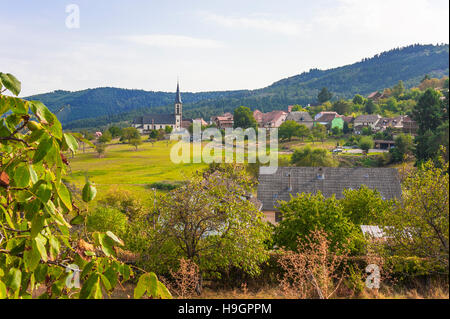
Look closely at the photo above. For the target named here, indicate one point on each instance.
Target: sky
(209, 45)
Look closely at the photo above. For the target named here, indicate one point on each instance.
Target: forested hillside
(101, 106)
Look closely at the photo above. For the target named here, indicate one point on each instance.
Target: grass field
(123, 167)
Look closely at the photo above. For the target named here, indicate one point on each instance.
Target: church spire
(178, 95)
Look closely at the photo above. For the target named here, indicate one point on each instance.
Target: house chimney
(290, 107)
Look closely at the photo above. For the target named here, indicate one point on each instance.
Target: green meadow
(125, 168)
(122, 167)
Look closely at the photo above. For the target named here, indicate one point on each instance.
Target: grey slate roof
(299, 117)
(275, 187)
(370, 118)
(155, 119)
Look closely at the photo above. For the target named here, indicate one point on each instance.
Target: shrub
(103, 219)
(164, 186)
(314, 269)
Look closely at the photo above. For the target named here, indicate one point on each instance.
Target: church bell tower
(178, 108)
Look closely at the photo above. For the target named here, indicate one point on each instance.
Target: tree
(309, 157)
(288, 130)
(136, 142)
(346, 128)
(211, 222)
(306, 213)
(324, 95)
(403, 147)
(243, 118)
(100, 148)
(398, 89)
(303, 131)
(168, 129)
(370, 107)
(336, 131)
(38, 245)
(366, 143)
(115, 131)
(105, 138)
(428, 111)
(420, 225)
(319, 132)
(358, 99)
(298, 108)
(429, 115)
(365, 206)
(342, 106)
(130, 133)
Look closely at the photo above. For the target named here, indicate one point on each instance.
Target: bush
(164, 186)
(107, 219)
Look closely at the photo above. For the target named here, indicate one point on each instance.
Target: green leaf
(77, 220)
(10, 82)
(71, 142)
(41, 272)
(43, 149)
(97, 291)
(114, 237)
(105, 243)
(89, 192)
(64, 195)
(37, 224)
(2, 290)
(40, 245)
(22, 176)
(14, 279)
(111, 274)
(33, 175)
(88, 286)
(42, 112)
(54, 246)
(125, 271)
(43, 192)
(163, 292)
(147, 283)
(32, 257)
(106, 282)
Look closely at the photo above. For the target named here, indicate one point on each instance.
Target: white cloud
(257, 23)
(173, 41)
(410, 20)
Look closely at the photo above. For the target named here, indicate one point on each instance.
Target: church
(144, 124)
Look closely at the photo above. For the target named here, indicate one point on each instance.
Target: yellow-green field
(123, 167)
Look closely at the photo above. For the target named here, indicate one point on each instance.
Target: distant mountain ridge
(101, 106)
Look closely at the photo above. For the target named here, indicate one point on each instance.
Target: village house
(409, 125)
(144, 124)
(395, 123)
(271, 119)
(288, 181)
(301, 118)
(375, 96)
(330, 116)
(362, 121)
(326, 118)
(223, 121)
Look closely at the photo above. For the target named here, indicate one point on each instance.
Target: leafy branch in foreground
(41, 255)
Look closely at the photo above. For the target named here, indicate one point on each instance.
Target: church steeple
(178, 108)
(178, 95)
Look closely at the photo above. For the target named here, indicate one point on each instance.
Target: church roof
(155, 119)
(178, 95)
